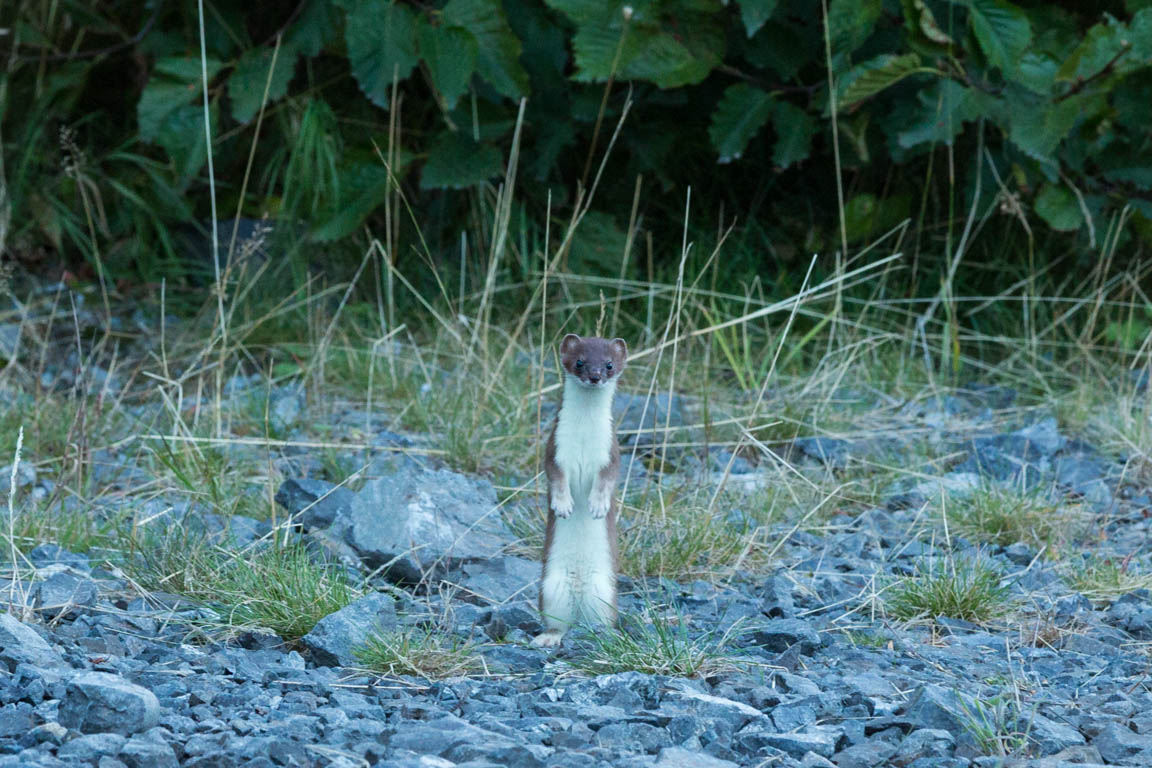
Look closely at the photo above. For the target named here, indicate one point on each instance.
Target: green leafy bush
(104, 152)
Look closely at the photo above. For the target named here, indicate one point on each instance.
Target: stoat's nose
(594, 379)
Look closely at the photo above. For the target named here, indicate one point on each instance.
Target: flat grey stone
(678, 757)
(63, 591)
(97, 702)
(92, 746)
(824, 740)
(335, 637)
(413, 520)
(19, 644)
(781, 634)
(316, 503)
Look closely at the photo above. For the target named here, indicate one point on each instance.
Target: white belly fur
(580, 580)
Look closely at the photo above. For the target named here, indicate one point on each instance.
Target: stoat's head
(591, 360)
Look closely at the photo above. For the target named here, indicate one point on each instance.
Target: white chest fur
(584, 436)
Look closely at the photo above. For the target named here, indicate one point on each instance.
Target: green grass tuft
(1106, 578)
(1004, 516)
(962, 589)
(422, 653)
(656, 645)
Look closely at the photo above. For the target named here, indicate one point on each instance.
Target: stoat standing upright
(582, 462)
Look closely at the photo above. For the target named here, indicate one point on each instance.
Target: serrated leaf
(455, 161)
(1038, 127)
(181, 134)
(1001, 29)
(794, 129)
(944, 107)
(743, 110)
(874, 75)
(174, 83)
(754, 13)
(1058, 206)
(313, 28)
(381, 39)
(1139, 175)
(450, 55)
(498, 52)
(671, 52)
(850, 23)
(247, 82)
(1101, 44)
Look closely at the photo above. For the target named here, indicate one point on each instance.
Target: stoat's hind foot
(549, 638)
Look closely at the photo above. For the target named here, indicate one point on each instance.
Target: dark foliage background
(395, 115)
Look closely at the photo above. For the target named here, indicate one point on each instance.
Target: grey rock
(148, 750)
(48, 733)
(633, 736)
(776, 601)
(1084, 476)
(285, 411)
(1118, 744)
(639, 412)
(413, 520)
(14, 722)
(1044, 436)
(61, 592)
(781, 634)
(1050, 736)
(19, 644)
(315, 503)
(677, 757)
(865, 755)
(53, 554)
(932, 743)
(824, 740)
(830, 451)
(934, 707)
(500, 579)
(335, 637)
(97, 702)
(93, 746)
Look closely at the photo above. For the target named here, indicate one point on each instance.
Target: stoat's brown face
(594, 361)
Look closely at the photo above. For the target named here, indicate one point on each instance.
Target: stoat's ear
(568, 342)
(621, 348)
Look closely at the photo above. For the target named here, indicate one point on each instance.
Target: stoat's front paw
(548, 639)
(599, 506)
(562, 505)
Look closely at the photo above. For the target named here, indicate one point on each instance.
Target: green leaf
(1058, 206)
(875, 75)
(754, 13)
(850, 23)
(1002, 30)
(498, 54)
(597, 245)
(1138, 175)
(743, 110)
(669, 50)
(381, 39)
(1101, 44)
(1037, 127)
(181, 134)
(944, 107)
(794, 129)
(450, 54)
(247, 82)
(455, 161)
(363, 187)
(313, 28)
(174, 83)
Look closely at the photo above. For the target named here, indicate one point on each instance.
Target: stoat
(582, 462)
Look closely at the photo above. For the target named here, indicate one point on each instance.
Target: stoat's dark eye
(608, 365)
(579, 363)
